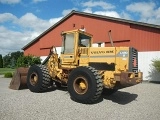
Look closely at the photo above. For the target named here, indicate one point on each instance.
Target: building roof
(89, 15)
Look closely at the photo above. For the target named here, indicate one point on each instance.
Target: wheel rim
(33, 79)
(80, 85)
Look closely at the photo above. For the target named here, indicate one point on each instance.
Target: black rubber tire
(107, 91)
(44, 79)
(94, 81)
(58, 85)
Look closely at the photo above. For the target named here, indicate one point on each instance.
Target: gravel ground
(140, 102)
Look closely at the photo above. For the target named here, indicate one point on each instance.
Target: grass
(6, 70)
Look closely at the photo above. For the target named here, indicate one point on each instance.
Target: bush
(156, 64)
(8, 75)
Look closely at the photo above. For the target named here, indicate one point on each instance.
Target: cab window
(84, 40)
(68, 43)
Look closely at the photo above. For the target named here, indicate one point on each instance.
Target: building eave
(90, 15)
(118, 19)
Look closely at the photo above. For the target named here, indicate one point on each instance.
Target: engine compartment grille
(133, 67)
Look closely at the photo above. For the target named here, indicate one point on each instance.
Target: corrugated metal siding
(34, 50)
(140, 37)
(145, 38)
(119, 43)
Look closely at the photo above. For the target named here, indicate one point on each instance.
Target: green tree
(16, 55)
(6, 60)
(11, 59)
(13, 62)
(1, 61)
(26, 61)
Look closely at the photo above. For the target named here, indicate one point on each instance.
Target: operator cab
(72, 41)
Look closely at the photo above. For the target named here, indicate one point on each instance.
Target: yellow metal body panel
(118, 55)
(102, 54)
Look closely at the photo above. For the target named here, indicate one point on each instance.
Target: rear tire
(38, 78)
(85, 84)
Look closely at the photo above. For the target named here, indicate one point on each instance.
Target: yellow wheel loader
(86, 71)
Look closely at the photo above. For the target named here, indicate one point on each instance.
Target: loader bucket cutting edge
(19, 79)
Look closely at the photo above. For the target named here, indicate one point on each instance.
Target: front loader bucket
(19, 79)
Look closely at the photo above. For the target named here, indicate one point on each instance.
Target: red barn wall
(33, 50)
(124, 34)
(145, 38)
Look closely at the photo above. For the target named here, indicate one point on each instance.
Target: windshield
(84, 40)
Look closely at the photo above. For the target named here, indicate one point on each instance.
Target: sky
(23, 20)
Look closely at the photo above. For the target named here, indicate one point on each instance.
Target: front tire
(38, 78)
(85, 84)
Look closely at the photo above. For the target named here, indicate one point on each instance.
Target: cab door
(68, 49)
